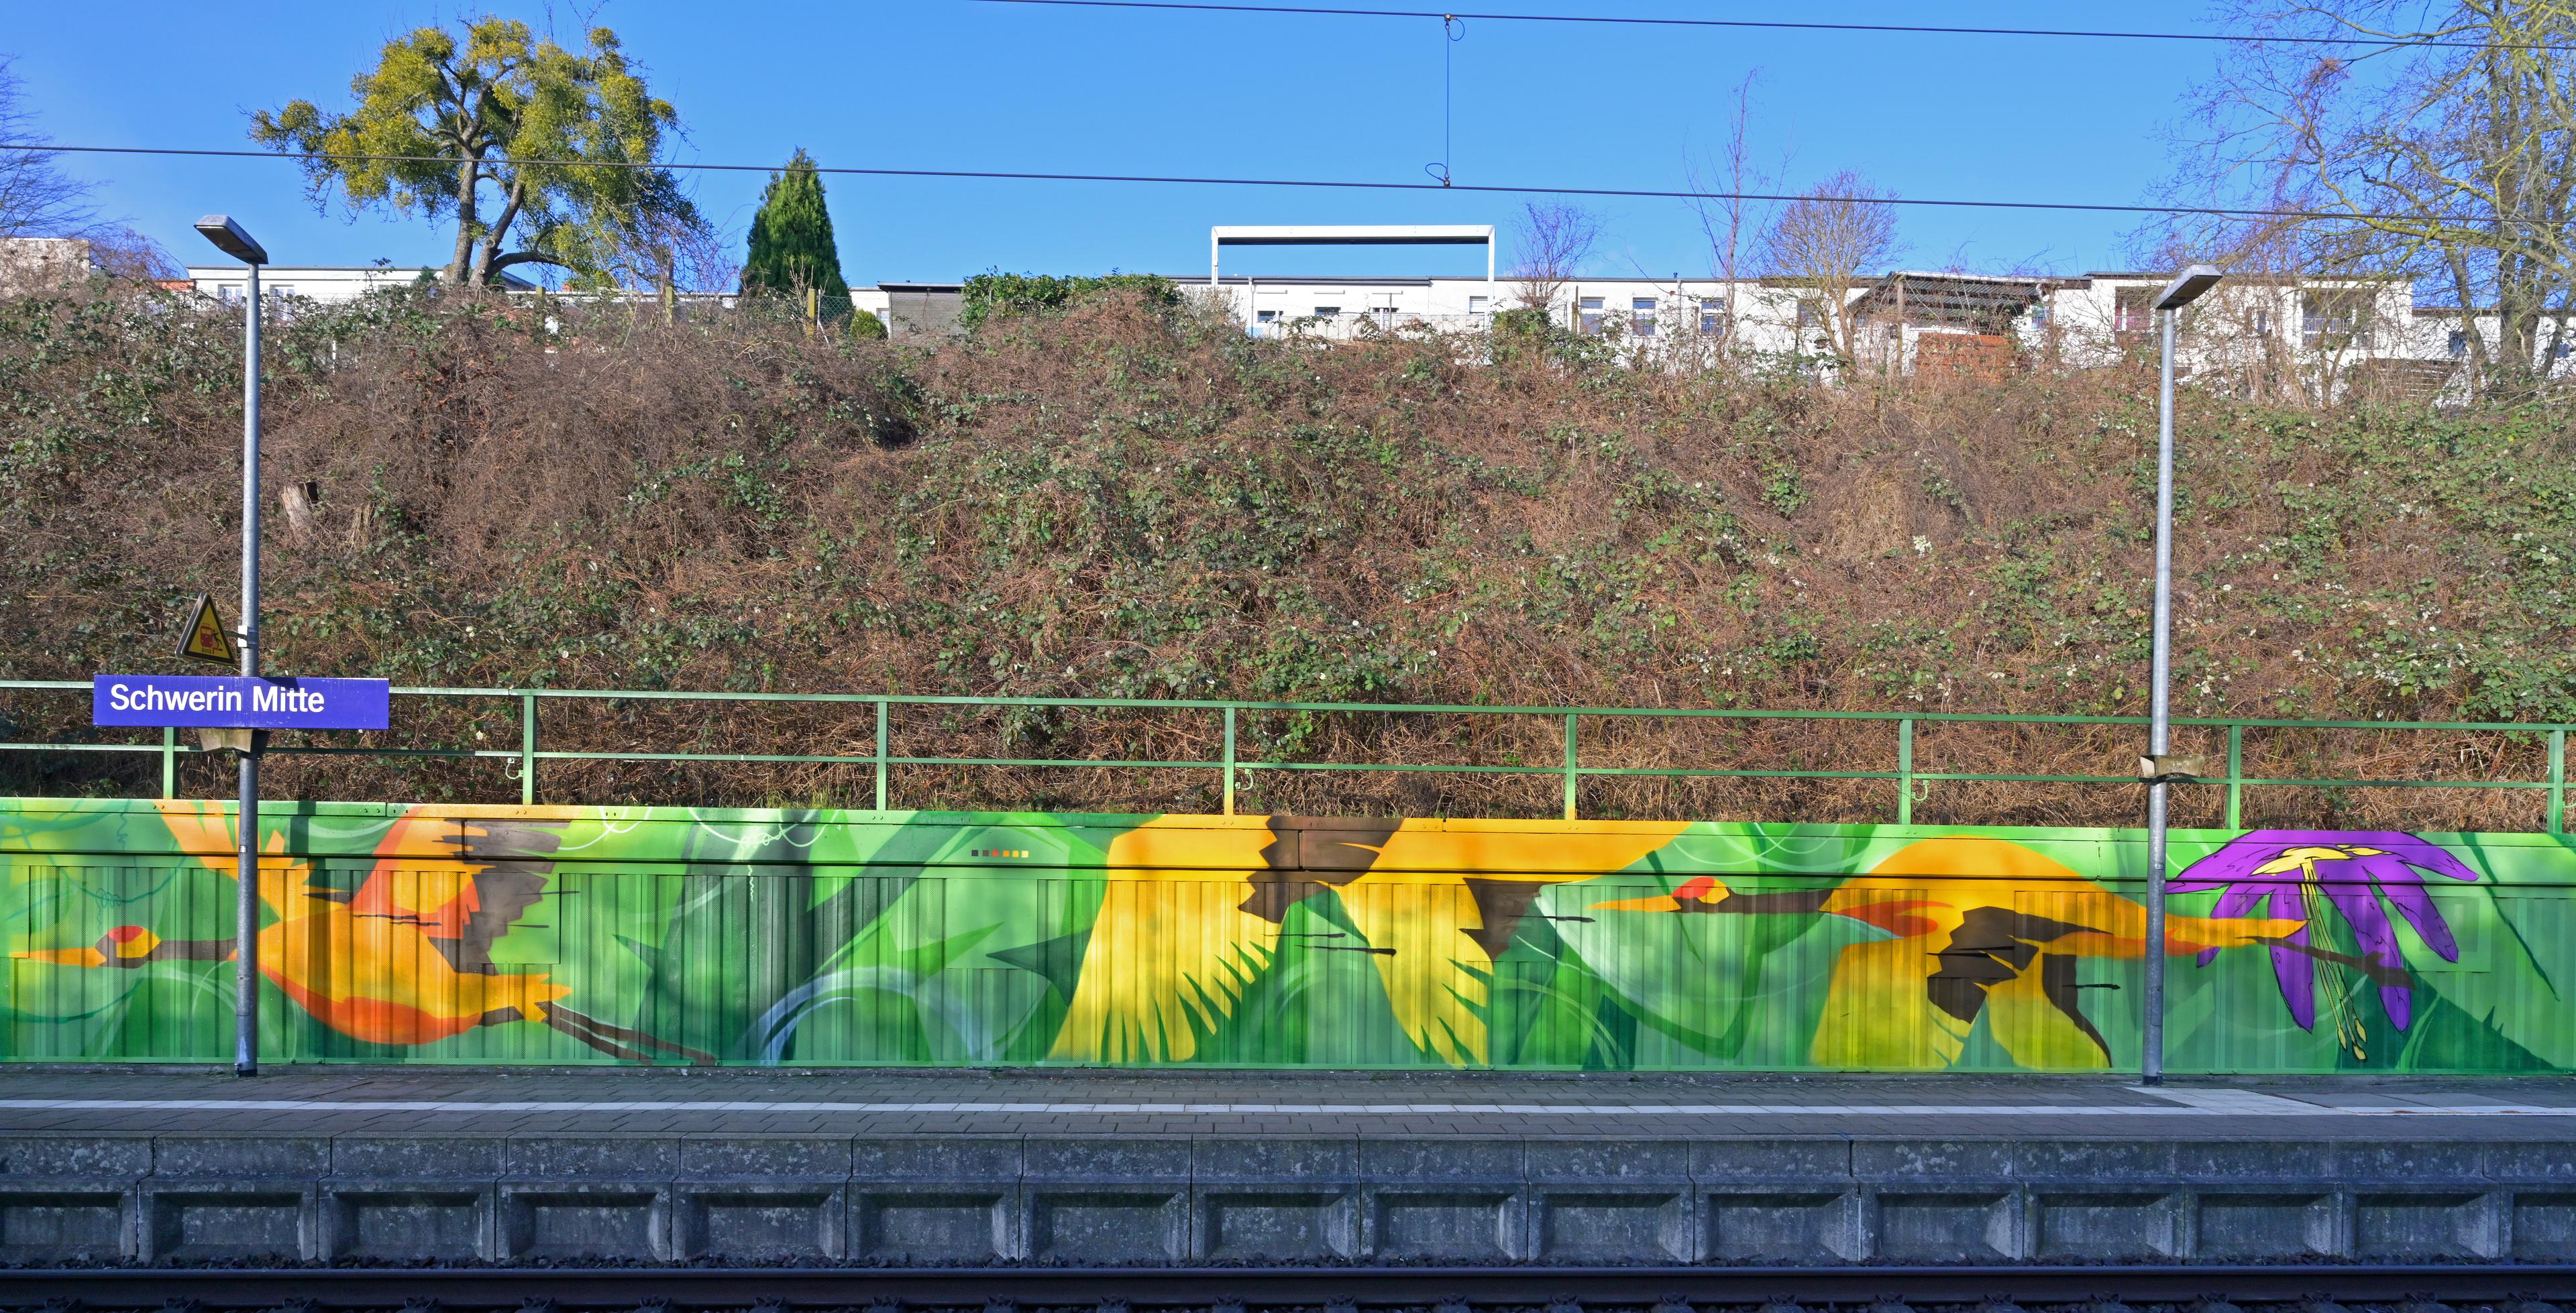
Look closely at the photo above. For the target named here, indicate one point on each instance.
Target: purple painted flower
(2300, 874)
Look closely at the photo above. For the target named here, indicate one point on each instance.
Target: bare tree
(2447, 162)
(37, 199)
(1554, 239)
(1824, 243)
(673, 253)
(120, 252)
(1727, 218)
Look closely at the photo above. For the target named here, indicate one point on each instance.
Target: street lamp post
(233, 241)
(2186, 288)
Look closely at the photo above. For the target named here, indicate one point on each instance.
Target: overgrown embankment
(1121, 500)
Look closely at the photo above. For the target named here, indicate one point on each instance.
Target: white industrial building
(323, 284)
(2293, 330)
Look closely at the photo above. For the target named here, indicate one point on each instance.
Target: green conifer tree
(791, 236)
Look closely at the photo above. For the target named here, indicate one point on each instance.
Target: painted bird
(1193, 910)
(404, 955)
(1974, 927)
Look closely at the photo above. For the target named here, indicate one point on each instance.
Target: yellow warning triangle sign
(205, 637)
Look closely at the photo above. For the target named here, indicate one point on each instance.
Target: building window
(2262, 322)
(1476, 307)
(1327, 311)
(2335, 320)
(1641, 315)
(2133, 309)
(2459, 344)
(228, 294)
(1712, 316)
(1589, 320)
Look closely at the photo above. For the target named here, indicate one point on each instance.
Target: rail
(1235, 767)
(1663, 1289)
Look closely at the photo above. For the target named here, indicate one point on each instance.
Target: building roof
(2271, 279)
(341, 272)
(1979, 301)
(1353, 234)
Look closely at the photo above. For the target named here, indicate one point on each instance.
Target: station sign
(240, 702)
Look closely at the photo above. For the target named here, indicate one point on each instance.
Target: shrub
(997, 294)
(1115, 500)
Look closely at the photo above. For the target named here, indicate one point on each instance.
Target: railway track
(2419, 1289)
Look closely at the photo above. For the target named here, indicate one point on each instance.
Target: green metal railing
(1234, 767)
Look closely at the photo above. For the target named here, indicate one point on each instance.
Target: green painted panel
(671, 935)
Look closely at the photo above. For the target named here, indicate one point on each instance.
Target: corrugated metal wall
(1030, 939)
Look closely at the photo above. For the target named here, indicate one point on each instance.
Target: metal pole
(1229, 761)
(246, 911)
(2235, 776)
(1905, 771)
(1570, 772)
(2558, 781)
(881, 754)
(2151, 1060)
(527, 749)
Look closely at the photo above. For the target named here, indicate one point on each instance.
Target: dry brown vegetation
(1124, 500)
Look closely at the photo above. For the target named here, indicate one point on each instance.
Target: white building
(2318, 335)
(326, 284)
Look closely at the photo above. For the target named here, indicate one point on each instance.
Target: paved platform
(336, 1101)
(414, 1164)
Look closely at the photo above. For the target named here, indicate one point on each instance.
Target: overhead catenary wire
(1343, 184)
(1784, 25)
(1452, 29)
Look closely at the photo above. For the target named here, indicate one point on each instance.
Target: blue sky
(951, 84)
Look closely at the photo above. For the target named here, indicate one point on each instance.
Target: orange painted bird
(1974, 926)
(403, 958)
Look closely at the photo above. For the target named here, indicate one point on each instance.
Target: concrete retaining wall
(1148, 1200)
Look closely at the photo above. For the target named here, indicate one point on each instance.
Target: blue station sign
(238, 702)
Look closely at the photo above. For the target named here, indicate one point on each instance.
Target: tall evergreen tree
(791, 236)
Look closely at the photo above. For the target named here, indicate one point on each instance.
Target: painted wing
(1878, 1015)
(1172, 947)
(1448, 900)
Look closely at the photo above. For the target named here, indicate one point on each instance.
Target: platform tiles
(1150, 1200)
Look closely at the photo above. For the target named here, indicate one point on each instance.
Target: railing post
(2558, 781)
(2235, 777)
(1905, 771)
(1570, 776)
(169, 762)
(527, 749)
(1229, 761)
(881, 754)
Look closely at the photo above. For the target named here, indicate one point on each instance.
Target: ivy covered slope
(1115, 497)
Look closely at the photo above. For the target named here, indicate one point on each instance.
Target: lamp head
(2188, 286)
(229, 238)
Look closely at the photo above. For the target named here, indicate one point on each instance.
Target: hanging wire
(1453, 30)
(2426, 41)
(1346, 184)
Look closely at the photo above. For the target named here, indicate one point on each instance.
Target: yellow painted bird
(1193, 909)
(1975, 926)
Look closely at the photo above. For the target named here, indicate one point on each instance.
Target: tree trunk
(456, 264)
(499, 232)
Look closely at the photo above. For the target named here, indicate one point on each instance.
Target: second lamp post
(2186, 288)
(229, 237)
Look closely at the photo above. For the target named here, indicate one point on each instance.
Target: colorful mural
(666, 935)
